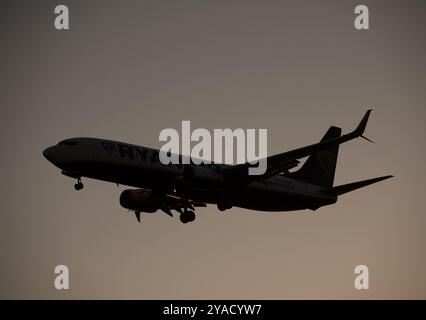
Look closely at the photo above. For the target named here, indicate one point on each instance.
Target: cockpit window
(68, 142)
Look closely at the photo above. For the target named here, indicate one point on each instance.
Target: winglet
(361, 127)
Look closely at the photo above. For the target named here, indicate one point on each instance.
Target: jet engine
(141, 200)
(202, 178)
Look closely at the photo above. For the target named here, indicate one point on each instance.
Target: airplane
(184, 187)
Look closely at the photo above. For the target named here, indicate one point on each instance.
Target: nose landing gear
(79, 185)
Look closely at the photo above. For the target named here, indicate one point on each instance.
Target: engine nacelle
(140, 200)
(202, 178)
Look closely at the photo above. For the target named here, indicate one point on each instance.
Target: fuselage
(140, 167)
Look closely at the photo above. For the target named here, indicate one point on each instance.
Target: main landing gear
(187, 216)
(79, 185)
(222, 206)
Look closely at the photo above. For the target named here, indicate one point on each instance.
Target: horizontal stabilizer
(354, 185)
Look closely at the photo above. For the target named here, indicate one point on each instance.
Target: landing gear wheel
(79, 185)
(191, 216)
(183, 218)
(187, 216)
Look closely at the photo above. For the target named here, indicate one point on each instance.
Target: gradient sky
(128, 69)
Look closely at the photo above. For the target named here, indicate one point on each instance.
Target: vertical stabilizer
(320, 167)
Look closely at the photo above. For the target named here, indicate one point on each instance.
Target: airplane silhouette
(183, 187)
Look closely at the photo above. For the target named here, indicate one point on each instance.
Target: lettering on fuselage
(109, 147)
(127, 151)
(281, 184)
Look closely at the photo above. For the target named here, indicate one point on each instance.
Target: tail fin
(354, 185)
(320, 167)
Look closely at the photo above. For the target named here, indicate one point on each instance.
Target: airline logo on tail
(327, 161)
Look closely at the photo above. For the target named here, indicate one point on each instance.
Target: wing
(284, 161)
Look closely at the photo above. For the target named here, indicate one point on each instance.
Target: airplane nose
(48, 153)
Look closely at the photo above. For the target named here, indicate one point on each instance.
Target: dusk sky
(128, 69)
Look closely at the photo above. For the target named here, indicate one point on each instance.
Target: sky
(128, 69)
